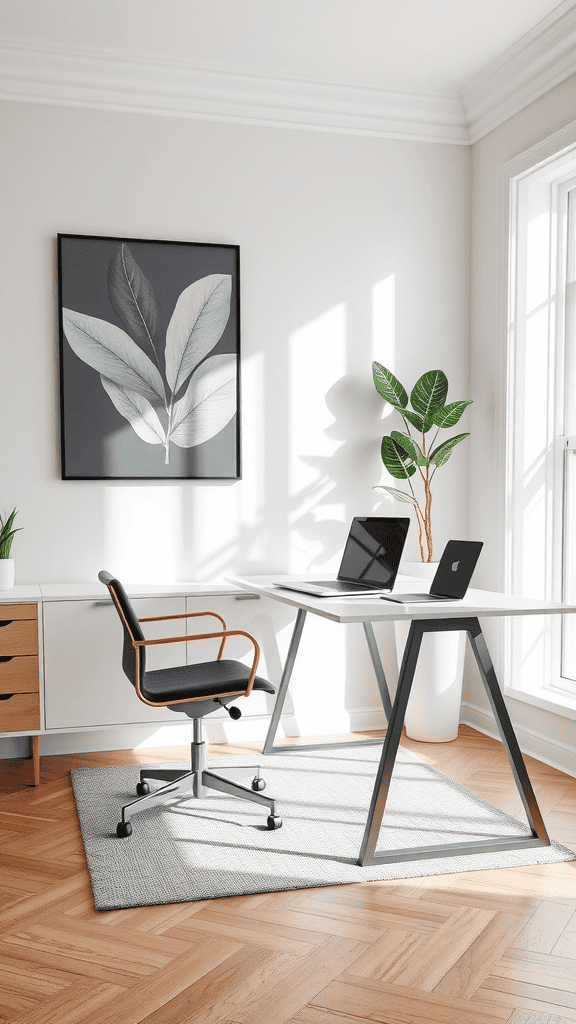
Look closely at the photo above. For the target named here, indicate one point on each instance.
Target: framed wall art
(149, 359)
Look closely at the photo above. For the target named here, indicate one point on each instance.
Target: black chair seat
(206, 678)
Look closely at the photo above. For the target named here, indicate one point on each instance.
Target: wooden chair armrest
(189, 615)
(181, 615)
(210, 636)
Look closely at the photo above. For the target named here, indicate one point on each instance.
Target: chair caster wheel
(123, 829)
(258, 784)
(274, 821)
(142, 788)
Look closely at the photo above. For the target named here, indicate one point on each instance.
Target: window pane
(568, 670)
(568, 655)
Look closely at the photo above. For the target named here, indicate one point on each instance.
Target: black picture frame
(149, 352)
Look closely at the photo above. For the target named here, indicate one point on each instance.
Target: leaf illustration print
(109, 350)
(137, 410)
(208, 404)
(196, 326)
(143, 387)
(134, 301)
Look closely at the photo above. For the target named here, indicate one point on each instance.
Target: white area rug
(220, 846)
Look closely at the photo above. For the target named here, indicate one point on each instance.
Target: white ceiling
(428, 46)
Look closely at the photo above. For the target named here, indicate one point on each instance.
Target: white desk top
(476, 604)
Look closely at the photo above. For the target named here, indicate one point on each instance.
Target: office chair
(197, 690)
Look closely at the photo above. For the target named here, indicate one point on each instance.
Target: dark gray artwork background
(97, 441)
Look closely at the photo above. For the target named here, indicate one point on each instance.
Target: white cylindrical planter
(433, 712)
(6, 573)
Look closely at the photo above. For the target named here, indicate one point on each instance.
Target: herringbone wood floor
(468, 948)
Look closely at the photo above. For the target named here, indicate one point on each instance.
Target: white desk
(424, 618)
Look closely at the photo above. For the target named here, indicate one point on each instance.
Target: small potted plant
(7, 531)
(409, 453)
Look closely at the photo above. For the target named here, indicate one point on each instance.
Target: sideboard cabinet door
(84, 683)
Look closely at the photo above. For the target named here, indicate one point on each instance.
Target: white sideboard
(61, 647)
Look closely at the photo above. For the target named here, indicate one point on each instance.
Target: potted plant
(7, 531)
(415, 455)
(411, 453)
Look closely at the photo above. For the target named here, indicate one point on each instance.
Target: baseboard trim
(554, 754)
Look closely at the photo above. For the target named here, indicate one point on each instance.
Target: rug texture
(220, 846)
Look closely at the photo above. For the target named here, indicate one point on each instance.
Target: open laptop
(370, 561)
(452, 577)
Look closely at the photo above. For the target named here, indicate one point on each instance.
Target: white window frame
(536, 186)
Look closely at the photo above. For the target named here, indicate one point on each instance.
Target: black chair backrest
(131, 626)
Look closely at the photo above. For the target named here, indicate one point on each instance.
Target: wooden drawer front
(18, 611)
(19, 712)
(19, 675)
(19, 637)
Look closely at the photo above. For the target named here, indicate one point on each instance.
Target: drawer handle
(103, 604)
(6, 657)
(6, 696)
(5, 622)
(246, 597)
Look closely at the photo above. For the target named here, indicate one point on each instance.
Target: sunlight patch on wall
(251, 494)
(317, 361)
(384, 326)
(143, 533)
(384, 320)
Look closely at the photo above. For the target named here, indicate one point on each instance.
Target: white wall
(351, 249)
(540, 732)
(321, 220)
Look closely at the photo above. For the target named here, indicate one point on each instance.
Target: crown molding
(39, 73)
(540, 60)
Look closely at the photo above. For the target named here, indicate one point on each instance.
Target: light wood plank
(475, 964)
(222, 991)
(196, 931)
(566, 944)
(529, 1017)
(512, 1001)
(395, 1004)
(389, 954)
(297, 987)
(156, 991)
(544, 994)
(74, 1005)
(545, 927)
(545, 969)
(437, 956)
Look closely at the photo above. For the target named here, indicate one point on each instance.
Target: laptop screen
(373, 550)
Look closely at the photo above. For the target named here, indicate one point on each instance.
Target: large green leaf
(429, 391)
(410, 447)
(422, 423)
(396, 460)
(448, 415)
(388, 386)
(442, 453)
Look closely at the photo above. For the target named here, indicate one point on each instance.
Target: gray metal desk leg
(269, 747)
(368, 853)
(500, 712)
(378, 669)
(539, 837)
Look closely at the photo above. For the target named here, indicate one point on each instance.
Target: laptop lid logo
(455, 566)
